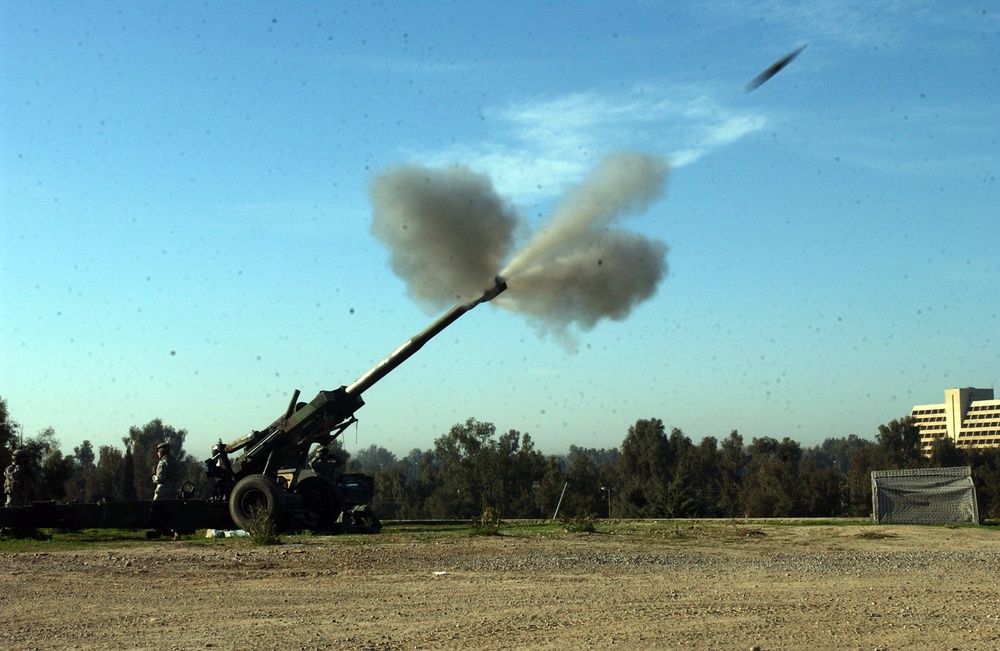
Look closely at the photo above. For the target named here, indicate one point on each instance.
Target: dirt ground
(669, 586)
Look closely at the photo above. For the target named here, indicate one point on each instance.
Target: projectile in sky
(774, 68)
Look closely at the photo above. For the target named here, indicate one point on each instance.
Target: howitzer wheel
(253, 495)
(319, 496)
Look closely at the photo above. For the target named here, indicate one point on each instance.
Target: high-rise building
(969, 417)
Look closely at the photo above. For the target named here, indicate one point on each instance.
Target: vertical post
(608, 490)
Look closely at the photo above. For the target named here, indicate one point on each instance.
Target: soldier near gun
(324, 463)
(167, 475)
(20, 478)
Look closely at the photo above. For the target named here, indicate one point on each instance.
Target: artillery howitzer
(272, 474)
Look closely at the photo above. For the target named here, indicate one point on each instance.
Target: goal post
(924, 496)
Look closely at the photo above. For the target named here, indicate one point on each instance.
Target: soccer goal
(924, 496)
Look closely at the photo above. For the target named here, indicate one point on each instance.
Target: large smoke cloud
(447, 230)
(450, 234)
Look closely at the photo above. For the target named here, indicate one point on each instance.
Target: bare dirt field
(665, 586)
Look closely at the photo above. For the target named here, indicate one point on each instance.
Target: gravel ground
(698, 586)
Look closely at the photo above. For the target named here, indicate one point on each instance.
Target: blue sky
(186, 212)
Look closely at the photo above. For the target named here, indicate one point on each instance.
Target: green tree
(391, 499)
(479, 470)
(604, 464)
(771, 487)
(113, 470)
(944, 454)
(696, 487)
(643, 470)
(732, 463)
(583, 488)
(681, 499)
(528, 468)
(859, 478)
(824, 487)
(604, 459)
(128, 474)
(55, 469)
(899, 445)
(372, 459)
(8, 435)
(83, 483)
(458, 491)
(550, 487)
(496, 475)
(838, 452)
(985, 463)
(428, 469)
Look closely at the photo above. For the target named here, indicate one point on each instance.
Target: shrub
(263, 529)
(579, 524)
(487, 524)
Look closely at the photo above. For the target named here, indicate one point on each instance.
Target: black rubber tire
(318, 495)
(251, 493)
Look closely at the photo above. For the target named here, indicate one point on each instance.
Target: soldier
(324, 463)
(167, 475)
(19, 479)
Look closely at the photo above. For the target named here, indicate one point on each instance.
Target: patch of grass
(664, 531)
(747, 531)
(487, 524)
(969, 525)
(67, 540)
(875, 534)
(679, 533)
(17, 533)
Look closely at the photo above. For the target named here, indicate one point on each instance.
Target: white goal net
(924, 496)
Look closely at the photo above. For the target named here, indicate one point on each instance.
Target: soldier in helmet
(19, 479)
(167, 475)
(324, 463)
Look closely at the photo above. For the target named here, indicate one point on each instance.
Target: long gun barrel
(326, 415)
(414, 344)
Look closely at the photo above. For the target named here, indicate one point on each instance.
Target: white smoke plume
(582, 267)
(449, 234)
(447, 231)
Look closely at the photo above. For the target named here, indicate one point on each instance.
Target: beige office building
(969, 417)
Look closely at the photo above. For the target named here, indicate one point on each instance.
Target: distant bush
(579, 524)
(487, 524)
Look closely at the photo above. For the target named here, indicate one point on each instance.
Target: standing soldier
(19, 479)
(167, 475)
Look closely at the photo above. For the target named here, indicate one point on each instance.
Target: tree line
(653, 474)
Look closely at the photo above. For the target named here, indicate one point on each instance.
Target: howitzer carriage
(265, 473)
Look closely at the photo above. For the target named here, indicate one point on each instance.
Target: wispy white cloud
(538, 148)
(877, 23)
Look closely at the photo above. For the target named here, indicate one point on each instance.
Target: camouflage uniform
(19, 479)
(324, 464)
(167, 476)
